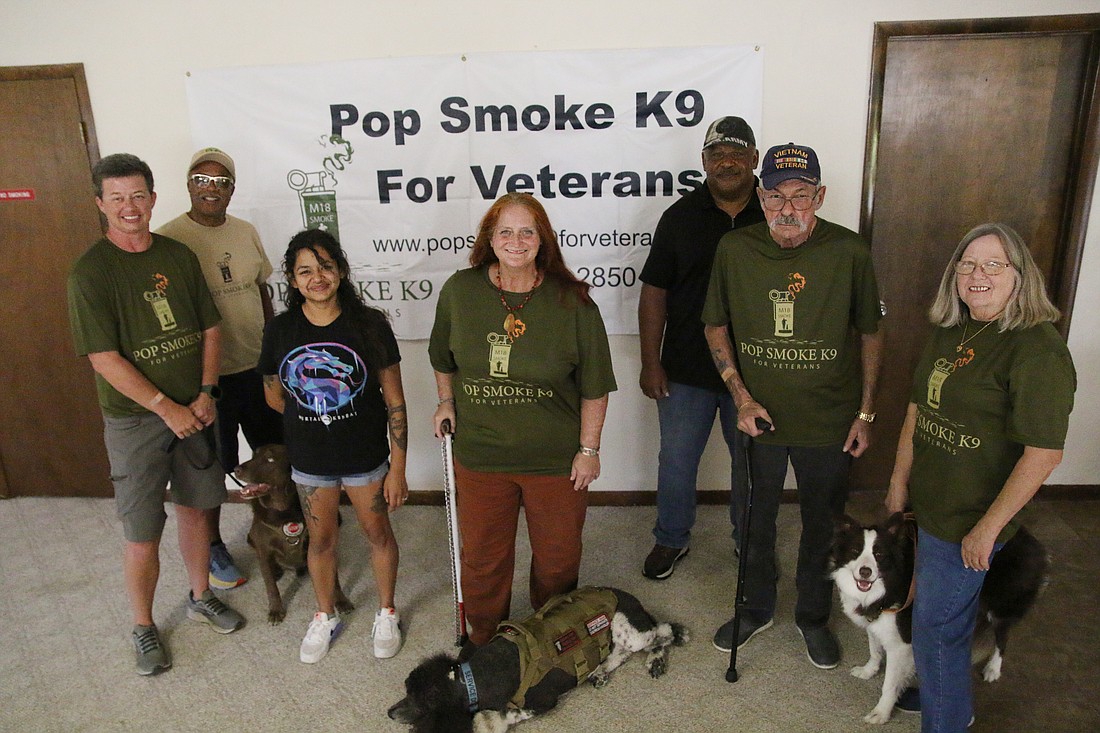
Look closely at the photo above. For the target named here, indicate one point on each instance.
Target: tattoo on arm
(305, 493)
(399, 426)
(270, 380)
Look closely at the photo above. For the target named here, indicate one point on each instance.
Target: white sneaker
(322, 630)
(386, 633)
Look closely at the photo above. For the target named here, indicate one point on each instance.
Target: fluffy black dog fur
(873, 570)
(436, 701)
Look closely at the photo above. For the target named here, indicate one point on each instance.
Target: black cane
(743, 561)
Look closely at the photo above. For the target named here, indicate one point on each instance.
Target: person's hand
(445, 411)
(204, 408)
(180, 420)
(586, 469)
(654, 382)
(395, 489)
(977, 547)
(859, 438)
(747, 414)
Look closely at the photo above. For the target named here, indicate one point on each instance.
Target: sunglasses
(202, 180)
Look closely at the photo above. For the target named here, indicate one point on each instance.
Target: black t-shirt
(679, 262)
(335, 417)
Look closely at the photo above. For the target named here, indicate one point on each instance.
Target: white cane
(452, 531)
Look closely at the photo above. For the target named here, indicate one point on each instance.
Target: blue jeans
(686, 417)
(944, 612)
(822, 477)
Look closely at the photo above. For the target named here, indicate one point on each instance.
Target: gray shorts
(141, 470)
(331, 482)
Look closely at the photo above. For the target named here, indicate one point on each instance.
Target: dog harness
(572, 632)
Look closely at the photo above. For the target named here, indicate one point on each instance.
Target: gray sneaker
(210, 610)
(150, 654)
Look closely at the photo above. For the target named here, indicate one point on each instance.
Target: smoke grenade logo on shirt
(324, 378)
(158, 299)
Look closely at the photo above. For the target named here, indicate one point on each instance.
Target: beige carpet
(66, 663)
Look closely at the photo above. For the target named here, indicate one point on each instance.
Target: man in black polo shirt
(677, 370)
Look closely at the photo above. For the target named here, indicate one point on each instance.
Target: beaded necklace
(513, 326)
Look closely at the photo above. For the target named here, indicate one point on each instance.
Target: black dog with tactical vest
(873, 570)
(528, 665)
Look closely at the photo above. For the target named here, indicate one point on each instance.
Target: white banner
(402, 157)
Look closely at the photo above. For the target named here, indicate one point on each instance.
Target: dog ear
(895, 523)
(844, 523)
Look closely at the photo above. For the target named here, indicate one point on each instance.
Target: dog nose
(865, 572)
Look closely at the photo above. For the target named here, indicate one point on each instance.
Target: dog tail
(680, 634)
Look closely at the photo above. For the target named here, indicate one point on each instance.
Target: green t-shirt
(518, 402)
(976, 410)
(151, 307)
(791, 314)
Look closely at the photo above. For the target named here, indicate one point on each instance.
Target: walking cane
(452, 532)
(742, 563)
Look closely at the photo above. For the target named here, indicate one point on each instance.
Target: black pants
(242, 407)
(822, 478)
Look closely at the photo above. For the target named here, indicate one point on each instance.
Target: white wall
(817, 71)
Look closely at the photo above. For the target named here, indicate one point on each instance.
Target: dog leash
(910, 520)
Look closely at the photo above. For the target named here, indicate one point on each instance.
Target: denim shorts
(141, 469)
(350, 479)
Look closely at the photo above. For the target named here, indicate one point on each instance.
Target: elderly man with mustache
(785, 297)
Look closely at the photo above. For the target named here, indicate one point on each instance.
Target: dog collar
(471, 687)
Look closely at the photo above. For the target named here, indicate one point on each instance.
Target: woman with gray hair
(986, 424)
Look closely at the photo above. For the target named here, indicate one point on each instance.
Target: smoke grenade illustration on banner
(317, 189)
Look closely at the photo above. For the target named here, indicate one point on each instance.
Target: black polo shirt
(679, 262)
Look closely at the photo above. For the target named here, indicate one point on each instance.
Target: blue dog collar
(471, 688)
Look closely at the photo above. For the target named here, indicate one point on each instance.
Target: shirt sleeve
(716, 306)
(660, 266)
(439, 343)
(1041, 390)
(596, 374)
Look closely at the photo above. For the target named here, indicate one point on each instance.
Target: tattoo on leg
(305, 493)
(378, 505)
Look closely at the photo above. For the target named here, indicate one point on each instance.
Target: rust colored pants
(488, 518)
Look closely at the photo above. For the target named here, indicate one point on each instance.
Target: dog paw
(657, 668)
(345, 606)
(865, 672)
(877, 717)
(276, 615)
(992, 670)
(598, 679)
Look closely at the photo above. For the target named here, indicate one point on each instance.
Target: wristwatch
(213, 390)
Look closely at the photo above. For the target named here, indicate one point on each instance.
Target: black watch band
(213, 390)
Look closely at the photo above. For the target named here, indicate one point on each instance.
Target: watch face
(213, 390)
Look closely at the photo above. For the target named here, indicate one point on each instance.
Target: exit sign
(16, 194)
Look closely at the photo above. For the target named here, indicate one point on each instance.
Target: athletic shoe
(322, 630)
(210, 610)
(223, 572)
(386, 633)
(821, 646)
(662, 561)
(750, 627)
(909, 700)
(150, 654)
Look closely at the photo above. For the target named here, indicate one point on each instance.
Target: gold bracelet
(447, 399)
(868, 417)
(586, 451)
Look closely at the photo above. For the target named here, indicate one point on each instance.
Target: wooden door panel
(52, 441)
(969, 123)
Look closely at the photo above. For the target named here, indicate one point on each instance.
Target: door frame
(1085, 147)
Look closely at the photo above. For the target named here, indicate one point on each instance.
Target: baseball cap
(729, 130)
(215, 155)
(790, 161)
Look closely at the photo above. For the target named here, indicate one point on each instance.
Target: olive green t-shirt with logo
(151, 307)
(981, 397)
(518, 397)
(792, 315)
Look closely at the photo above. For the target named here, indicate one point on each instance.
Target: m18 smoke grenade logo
(317, 189)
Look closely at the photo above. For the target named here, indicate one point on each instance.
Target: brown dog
(278, 533)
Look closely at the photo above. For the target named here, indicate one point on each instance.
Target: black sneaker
(662, 561)
(821, 646)
(909, 700)
(750, 627)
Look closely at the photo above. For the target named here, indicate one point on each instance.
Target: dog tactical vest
(572, 632)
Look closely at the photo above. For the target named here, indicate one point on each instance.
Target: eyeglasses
(800, 201)
(991, 268)
(202, 180)
(525, 235)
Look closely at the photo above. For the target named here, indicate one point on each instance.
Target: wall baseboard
(1073, 492)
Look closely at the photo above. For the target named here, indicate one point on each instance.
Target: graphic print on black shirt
(324, 379)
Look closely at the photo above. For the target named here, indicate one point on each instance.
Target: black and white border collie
(441, 697)
(873, 570)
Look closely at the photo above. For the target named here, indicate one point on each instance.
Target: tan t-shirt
(235, 267)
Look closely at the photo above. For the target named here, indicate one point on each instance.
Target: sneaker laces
(147, 641)
(213, 604)
(384, 624)
(319, 629)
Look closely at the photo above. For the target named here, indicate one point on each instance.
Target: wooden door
(971, 122)
(51, 439)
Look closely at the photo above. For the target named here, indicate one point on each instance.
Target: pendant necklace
(965, 339)
(513, 326)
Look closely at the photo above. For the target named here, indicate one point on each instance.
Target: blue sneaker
(223, 573)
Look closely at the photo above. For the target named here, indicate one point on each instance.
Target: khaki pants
(488, 517)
